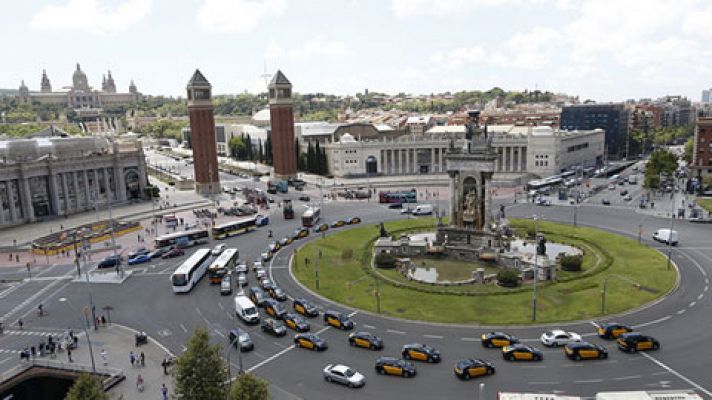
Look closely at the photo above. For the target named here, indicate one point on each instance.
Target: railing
(112, 375)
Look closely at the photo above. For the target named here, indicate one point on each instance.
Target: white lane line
(280, 353)
(679, 375)
(660, 373)
(433, 336)
(534, 366)
(707, 288)
(470, 339)
(700, 296)
(183, 328)
(589, 381)
(693, 304)
(655, 321)
(544, 383)
(680, 312)
(369, 326)
(594, 324)
(222, 335)
(625, 378)
(396, 332)
(221, 306)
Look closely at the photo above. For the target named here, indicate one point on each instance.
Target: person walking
(69, 354)
(139, 383)
(20, 323)
(132, 358)
(103, 357)
(164, 392)
(143, 359)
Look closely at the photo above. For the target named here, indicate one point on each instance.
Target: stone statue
(383, 233)
(469, 207)
(541, 245)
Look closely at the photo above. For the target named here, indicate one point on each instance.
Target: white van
(666, 236)
(423, 209)
(246, 309)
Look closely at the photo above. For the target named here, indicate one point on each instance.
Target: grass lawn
(344, 277)
(705, 203)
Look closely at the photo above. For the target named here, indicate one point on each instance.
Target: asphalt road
(146, 302)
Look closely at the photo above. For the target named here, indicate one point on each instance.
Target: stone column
(65, 189)
(407, 161)
(119, 182)
(26, 199)
(515, 163)
(2, 206)
(53, 192)
(109, 195)
(453, 198)
(432, 160)
(11, 200)
(87, 194)
(75, 183)
(523, 158)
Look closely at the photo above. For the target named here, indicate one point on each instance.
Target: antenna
(265, 75)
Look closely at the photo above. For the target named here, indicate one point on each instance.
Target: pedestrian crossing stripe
(30, 333)
(6, 351)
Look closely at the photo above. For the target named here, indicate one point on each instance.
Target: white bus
(311, 216)
(236, 227)
(220, 267)
(189, 273)
(182, 239)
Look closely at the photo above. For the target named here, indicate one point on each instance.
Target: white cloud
(320, 46)
(441, 8)
(458, 57)
(236, 16)
(274, 50)
(96, 16)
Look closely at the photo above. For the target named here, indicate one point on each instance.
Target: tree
(200, 373)
(86, 387)
(689, 148)
(317, 162)
(268, 150)
(300, 162)
(238, 148)
(661, 162)
(249, 387)
(260, 151)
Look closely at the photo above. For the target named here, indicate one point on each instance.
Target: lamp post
(669, 238)
(86, 332)
(239, 356)
(536, 268)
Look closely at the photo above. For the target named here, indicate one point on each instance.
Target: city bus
(236, 227)
(311, 216)
(221, 265)
(182, 239)
(409, 196)
(189, 273)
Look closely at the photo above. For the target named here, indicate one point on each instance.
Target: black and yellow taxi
(420, 352)
(338, 320)
(322, 228)
(257, 295)
(274, 246)
(338, 223)
(498, 339)
(611, 330)
(305, 307)
(585, 351)
(634, 341)
(471, 368)
(354, 220)
(277, 293)
(285, 241)
(274, 308)
(366, 340)
(300, 233)
(310, 341)
(296, 322)
(518, 351)
(395, 366)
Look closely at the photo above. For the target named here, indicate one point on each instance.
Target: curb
(156, 342)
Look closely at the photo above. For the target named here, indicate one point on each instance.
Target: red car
(173, 253)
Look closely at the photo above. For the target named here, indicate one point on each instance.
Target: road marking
(625, 378)
(183, 328)
(469, 339)
(433, 336)
(534, 366)
(693, 304)
(396, 332)
(700, 296)
(6, 360)
(679, 375)
(282, 352)
(589, 381)
(544, 383)
(369, 326)
(707, 288)
(221, 306)
(222, 335)
(594, 324)
(680, 312)
(665, 318)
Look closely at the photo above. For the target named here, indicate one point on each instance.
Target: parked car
(304, 198)
(605, 202)
(139, 251)
(157, 253)
(110, 261)
(226, 285)
(175, 252)
(242, 280)
(344, 375)
(139, 259)
(241, 339)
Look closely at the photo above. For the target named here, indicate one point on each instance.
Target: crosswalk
(29, 333)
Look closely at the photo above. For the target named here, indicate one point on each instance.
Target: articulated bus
(189, 273)
(221, 265)
(311, 216)
(409, 196)
(182, 239)
(236, 227)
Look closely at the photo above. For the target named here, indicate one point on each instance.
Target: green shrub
(385, 260)
(571, 263)
(508, 277)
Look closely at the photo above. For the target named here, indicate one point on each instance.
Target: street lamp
(536, 267)
(239, 356)
(86, 332)
(669, 238)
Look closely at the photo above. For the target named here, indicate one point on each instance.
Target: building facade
(202, 129)
(614, 119)
(702, 151)
(521, 151)
(80, 94)
(49, 177)
(281, 110)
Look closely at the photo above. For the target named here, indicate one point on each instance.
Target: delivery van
(666, 236)
(246, 309)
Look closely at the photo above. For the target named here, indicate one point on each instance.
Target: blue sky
(603, 49)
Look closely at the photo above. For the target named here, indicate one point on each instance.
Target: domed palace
(80, 94)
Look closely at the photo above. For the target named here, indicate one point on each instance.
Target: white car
(241, 268)
(344, 375)
(558, 337)
(218, 249)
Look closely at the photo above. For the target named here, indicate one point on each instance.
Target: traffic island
(339, 267)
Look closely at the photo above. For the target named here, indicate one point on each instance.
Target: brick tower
(202, 135)
(281, 112)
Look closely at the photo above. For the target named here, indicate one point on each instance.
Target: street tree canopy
(200, 373)
(86, 387)
(661, 162)
(249, 387)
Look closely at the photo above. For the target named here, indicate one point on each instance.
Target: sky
(605, 50)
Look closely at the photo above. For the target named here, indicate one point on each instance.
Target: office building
(613, 118)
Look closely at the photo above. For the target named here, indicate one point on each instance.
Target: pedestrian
(41, 349)
(33, 351)
(132, 358)
(103, 357)
(164, 364)
(20, 323)
(143, 359)
(103, 319)
(139, 383)
(69, 354)
(164, 391)
(17, 258)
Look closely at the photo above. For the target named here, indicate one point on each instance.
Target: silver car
(344, 375)
(241, 268)
(242, 280)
